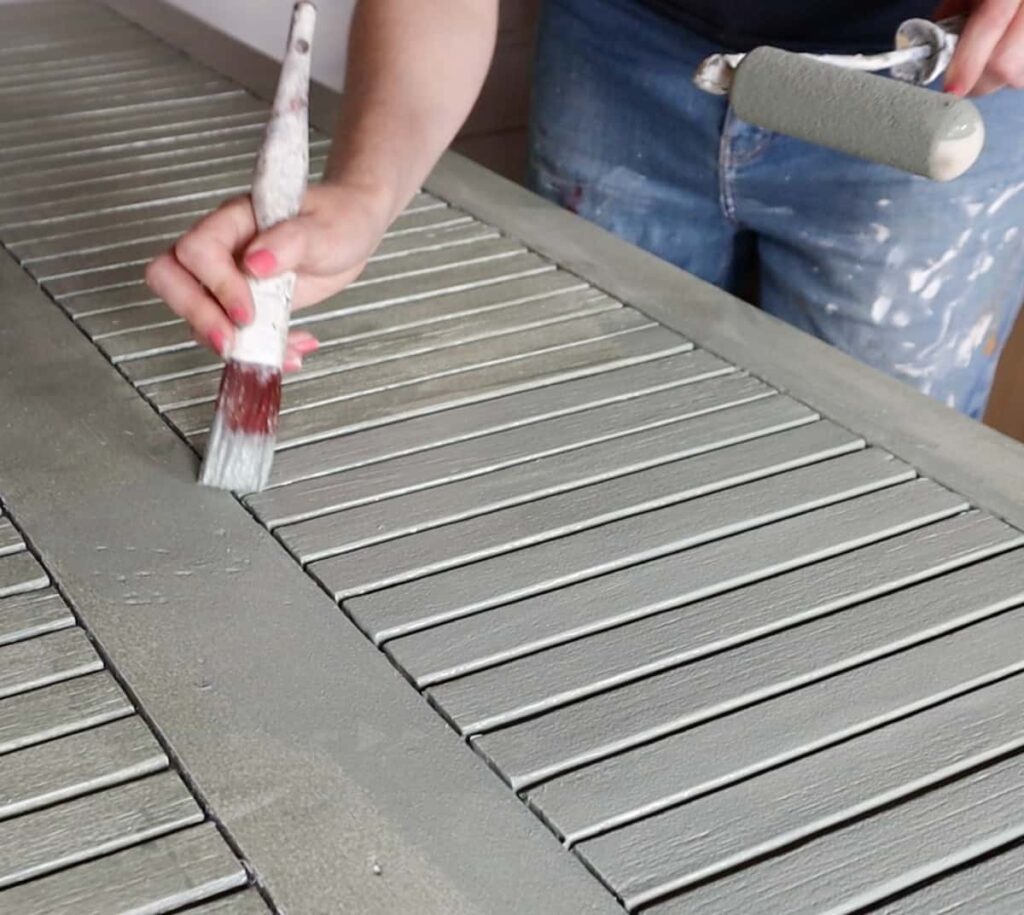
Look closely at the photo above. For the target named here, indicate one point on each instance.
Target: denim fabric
(919, 279)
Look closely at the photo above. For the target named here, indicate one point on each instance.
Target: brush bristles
(240, 449)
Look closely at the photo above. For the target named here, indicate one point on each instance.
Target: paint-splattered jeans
(919, 279)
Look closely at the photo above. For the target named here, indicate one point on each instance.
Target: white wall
(263, 24)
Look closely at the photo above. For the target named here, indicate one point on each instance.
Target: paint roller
(839, 101)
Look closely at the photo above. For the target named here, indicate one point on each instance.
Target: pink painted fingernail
(261, 262)
(218, 340)
(239, 314)
(292, 363)
(307, 345)
(954, 89)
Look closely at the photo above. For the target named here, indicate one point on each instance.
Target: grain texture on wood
(570, 613)
(708, 757)
(711, 834)
(630, 652)
(77, 764)
(528, 371)
(869, 860)
(21, 572)
(160, 876)
(514, 411)
(33, 613)
(588, 554)
(481, 474)
(64, 708)
(84, 828)
(10, 538)
(46, 659)
(709, 687)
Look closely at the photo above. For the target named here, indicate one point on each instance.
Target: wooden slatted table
(579, 586)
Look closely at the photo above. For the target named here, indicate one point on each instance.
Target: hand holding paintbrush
(241, 444)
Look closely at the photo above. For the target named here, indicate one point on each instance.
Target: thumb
(276, 250)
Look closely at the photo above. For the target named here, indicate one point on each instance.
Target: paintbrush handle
(279, 184)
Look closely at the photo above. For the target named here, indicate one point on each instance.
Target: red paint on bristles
(249, 399)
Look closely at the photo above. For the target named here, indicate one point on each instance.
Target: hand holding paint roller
(241, 443)
(837, 102)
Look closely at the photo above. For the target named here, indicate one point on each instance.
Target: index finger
(984, 28)
(209, 252)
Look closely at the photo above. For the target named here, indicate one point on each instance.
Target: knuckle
(156, 272)
(189, 250)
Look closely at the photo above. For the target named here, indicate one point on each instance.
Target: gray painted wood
(245, 903)
(577, 669)
(994, 886)
(406, 381)
(463, 460)
(476, 420)
(711, 834)
(664, 700)
(10, 538)
(74, 172)
(70, 251)
(391, 322)
(24, 616)
(119, 266)
(139, 218)
(160, 876)
(402, 287)
(64, 708)
(21, 572)
(520, 526)
(872, 859)
(588, 554)
(126, 202)
(381, 348)
(548, 365)
(707, 757)
(78, 764)
(47, 659)
(77, 830)
(701, 572)
(73, 139)
(603, 459)
(143, 193)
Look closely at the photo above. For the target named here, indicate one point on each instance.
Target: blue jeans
(919, 279)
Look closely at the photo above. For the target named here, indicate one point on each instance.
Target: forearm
(415, 68)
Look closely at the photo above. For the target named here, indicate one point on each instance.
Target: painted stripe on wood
(588, 554)
(382, 349)
(75, 831)
(828, 790)
(461, 461)
(21, 572)
(471, 540)
(405, 381)
(994, 886)
(47, 659)
(64, 708)
(574, 670)
(376, 326)
(476, 420)
(706, 756)
(530, 371)
(714, 568)
(543, 476)
(142, 343)
(872, 859)
(160, 876)
(708, 687)
(24, 616)
(78, 764)
(10, 538)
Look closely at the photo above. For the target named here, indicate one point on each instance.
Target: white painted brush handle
(278, 186)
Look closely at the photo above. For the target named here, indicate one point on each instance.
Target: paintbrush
(240, 448)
